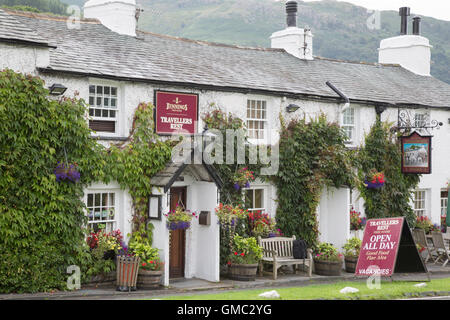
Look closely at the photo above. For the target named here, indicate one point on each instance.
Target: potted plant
(179, 218)
(151, 267)
(327, 260)
(261, 224)
(242, 178)
(351, 254)
(374, 179)
(64, 171)
(243, 261)
(424, 223)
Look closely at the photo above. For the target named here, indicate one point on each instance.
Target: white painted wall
(118, 16)
(412, 52)
(24, 59)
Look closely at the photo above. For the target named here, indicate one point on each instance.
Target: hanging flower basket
(179, 218)
(67, 172)
(375, 180)
(242, 178)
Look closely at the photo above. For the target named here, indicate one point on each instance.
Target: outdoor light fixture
(292, 108)
(57, 89)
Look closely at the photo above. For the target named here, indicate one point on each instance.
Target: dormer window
(103, 108)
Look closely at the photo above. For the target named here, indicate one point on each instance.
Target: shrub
(352, 247)
(327, 252)
(245, 251)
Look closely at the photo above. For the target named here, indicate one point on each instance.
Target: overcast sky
(439, 9)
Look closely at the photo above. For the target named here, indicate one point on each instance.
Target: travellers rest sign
(176, 112)
(379, 247)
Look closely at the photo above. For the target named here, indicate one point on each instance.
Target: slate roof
(95, 50)
(12, 30)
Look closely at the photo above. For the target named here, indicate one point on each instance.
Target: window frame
(118, 108)
(423, 200)
(351, 126)
(263, 209)
(264, 121)
(116, 206)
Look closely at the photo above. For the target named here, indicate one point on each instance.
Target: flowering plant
(420, 248)
(67, 172)
(107, 244)
(374, 179)
(260, 224)
(356, 222)
(242, 178)
(228, 214)
(327, 252)
(152, 265)
(179, 218)
(424, 223)
(245, 251)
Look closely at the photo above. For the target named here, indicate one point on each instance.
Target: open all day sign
(379, 247)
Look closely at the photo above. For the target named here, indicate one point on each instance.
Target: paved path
(192, 286)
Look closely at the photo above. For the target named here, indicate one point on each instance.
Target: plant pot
(371, 185)
(350, 264)
(327, 268)
(149, 279)
(178, 225)
(243, 272)
(102, 280)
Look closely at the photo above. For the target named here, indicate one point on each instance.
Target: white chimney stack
(117, 15)
(296, 41)
(412, 52)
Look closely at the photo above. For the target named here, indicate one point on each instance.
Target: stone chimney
(117, 15)
(296, 41)
(412, 52)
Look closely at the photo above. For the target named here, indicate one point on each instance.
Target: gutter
(342, 95)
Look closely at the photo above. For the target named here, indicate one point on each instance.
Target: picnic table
(445, 235)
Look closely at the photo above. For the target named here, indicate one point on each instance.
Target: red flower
(235, 253)
(242, 254)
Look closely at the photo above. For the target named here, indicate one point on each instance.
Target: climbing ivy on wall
(382, 152)
(312, 156)
(133, 163)
(41, 219)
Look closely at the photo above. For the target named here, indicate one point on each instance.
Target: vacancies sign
(379, 247)
(175, 112)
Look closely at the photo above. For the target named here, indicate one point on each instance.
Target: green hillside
(340, 29)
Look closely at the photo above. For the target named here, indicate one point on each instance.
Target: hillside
(340, 29)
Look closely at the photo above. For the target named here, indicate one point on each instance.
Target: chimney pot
(416, 26)
(404, 12)
(291, 10)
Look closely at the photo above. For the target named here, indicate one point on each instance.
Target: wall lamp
(57, 89)
(292, 108)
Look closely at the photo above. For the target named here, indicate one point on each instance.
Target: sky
(439, 9)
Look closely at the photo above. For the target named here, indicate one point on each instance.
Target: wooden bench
(278, 252)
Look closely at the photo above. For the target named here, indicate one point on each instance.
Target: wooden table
(445, 235)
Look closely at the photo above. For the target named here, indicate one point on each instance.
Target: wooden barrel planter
(102, 280)
(148, 279)
(350, 264)
(243, 272)
(327, 268)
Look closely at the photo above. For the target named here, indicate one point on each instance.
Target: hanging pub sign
(175, 112)
(416, 154)
(387, 248)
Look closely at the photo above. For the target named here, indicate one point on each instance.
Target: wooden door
(177, 237)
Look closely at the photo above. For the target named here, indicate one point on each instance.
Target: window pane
(107, 91)
(99, 90)
(98, 112)
(90, 200)
(97, 200)
(112, 114)
(249, 198)
(91, 101)
(113, 91)
(258, 198)
(105, 113)
(92, 89)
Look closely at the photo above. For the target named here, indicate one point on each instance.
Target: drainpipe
(343, 96)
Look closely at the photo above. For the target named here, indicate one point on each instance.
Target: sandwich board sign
(388, 248)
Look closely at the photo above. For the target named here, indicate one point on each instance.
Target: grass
(389, 290)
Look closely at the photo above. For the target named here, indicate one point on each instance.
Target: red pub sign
(176, 112)
(379, 247)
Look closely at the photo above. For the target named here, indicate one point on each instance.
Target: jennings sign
(176, 112)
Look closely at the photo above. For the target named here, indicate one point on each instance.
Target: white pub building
(114, 67)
